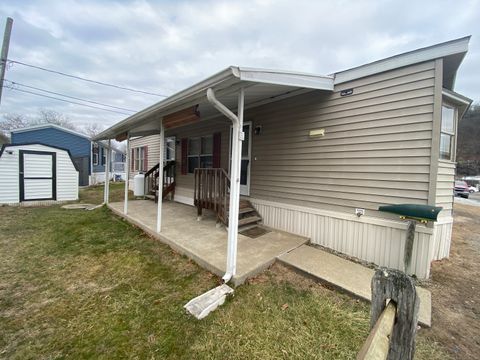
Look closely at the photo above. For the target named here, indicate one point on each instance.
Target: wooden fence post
(394, 285)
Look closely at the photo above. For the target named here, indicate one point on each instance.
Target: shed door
(38, 175)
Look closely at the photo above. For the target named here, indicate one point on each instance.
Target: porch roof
(261, 86)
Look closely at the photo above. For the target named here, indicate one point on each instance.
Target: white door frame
(244, 189)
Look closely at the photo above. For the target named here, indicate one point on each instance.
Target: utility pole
(4, 55)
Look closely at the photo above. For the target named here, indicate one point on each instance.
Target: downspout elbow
(212, 99)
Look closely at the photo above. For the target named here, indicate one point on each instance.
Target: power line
(84, 79)
(67, 96)
(68, 101)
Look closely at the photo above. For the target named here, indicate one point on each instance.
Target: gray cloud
(164, 46)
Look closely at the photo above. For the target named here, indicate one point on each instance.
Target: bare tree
(12, 122)
(92, 129)
(46, 116)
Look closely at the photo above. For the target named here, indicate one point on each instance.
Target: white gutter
(237, 139)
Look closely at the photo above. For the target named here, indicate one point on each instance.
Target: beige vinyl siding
(376, 148)
(185, 183)
(445, 182)
(153, 143)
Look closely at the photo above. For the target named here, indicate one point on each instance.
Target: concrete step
(249, 220)
(346, 275)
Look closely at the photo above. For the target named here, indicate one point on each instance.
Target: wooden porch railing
(211, 191)
(152, 179)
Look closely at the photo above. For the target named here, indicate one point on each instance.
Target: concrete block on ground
(204, 304)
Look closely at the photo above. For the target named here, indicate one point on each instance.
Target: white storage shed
(36, 173)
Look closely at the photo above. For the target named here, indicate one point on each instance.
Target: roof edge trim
(49, 125)
(408, 58)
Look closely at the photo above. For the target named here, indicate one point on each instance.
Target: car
(472, 189)
(461, 189)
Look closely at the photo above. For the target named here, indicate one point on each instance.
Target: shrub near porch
(85, 284)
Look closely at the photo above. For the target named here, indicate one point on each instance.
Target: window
(200, 153)
(139, 159)
(95, 154)
(104, 155)
(170, 148)
(447, 133)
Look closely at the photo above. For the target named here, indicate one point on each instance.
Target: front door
(246, 157)
(38, 175)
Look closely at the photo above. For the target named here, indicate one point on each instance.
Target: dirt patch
(455, 287)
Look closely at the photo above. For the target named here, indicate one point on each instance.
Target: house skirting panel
(442, 238)
(375, 240)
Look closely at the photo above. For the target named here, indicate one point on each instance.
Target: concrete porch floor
(203, 242)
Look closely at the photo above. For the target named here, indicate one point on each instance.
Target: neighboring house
(87, 155)
(36, 173)
(4, 139)
(318, 148)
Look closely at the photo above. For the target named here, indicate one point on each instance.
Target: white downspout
(237, 139)
(160, 178)
(127, 175)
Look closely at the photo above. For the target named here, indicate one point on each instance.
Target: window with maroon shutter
(132, 160)
(184, 156)
(217, 149)
(145, 158)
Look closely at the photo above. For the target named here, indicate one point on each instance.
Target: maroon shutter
(132, 161)
(217, 149)
(184, 156)
(145, 158)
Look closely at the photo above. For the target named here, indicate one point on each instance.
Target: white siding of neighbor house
(67, 175)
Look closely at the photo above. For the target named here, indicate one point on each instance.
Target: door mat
(254, 232)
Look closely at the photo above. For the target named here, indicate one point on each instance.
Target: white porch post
(127, 175)
(160, 178)
(107, 174)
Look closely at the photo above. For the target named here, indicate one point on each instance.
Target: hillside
(468, 148)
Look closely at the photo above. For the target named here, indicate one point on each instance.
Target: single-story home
(37, 173)
(89, 156)
(316, 155)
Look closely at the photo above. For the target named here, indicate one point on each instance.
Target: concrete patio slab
(345, 275)
(203, 242)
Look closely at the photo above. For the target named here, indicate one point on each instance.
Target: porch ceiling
(261, 86)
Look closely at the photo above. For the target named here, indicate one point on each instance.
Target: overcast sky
(164, 46)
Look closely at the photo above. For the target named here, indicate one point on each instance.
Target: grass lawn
(85, 284)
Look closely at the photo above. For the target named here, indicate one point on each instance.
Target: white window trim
(139, 161)
(453, 139)
(95, 156)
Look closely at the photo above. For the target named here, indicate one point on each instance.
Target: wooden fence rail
(394, 317)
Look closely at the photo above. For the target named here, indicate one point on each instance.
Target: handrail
(152, 170)
(211, 191)
(168, 176)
